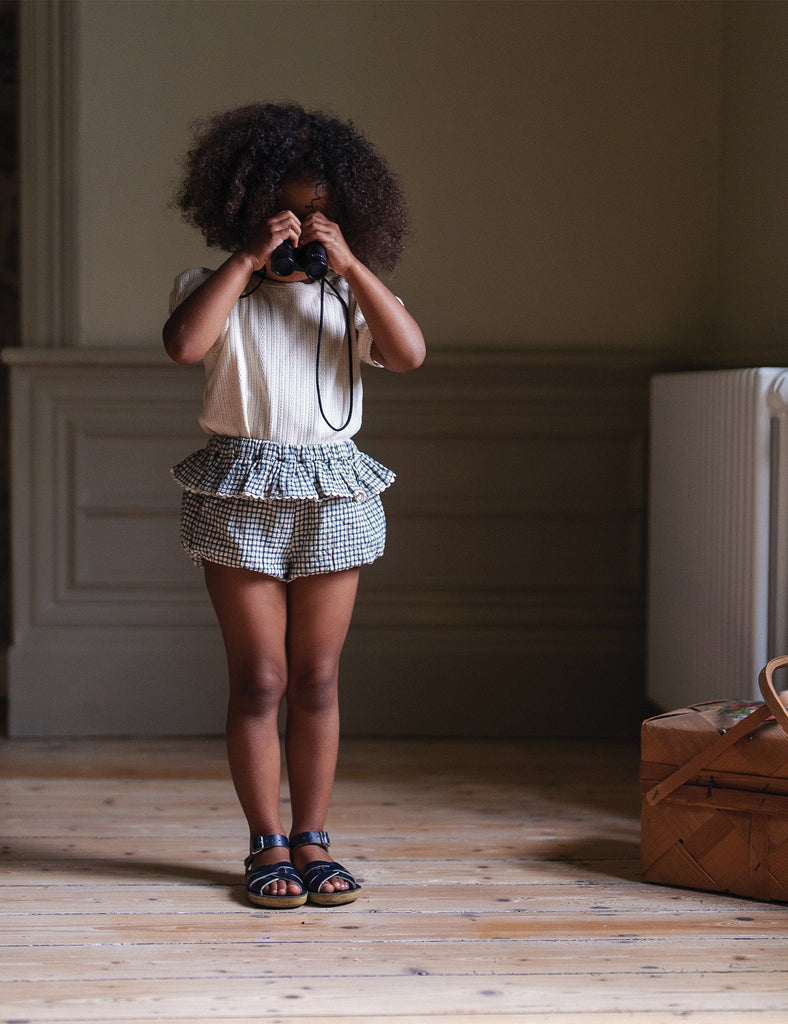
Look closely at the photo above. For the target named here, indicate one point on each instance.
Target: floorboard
(501, 883)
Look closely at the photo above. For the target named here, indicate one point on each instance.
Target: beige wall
(754, 193)
(596, 185)
(561, 159)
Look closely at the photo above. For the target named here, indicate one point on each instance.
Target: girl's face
(301, 198)
(304, 197)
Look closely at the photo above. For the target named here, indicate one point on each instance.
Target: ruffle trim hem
(242, 467)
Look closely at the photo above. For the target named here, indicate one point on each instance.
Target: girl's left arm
(398, 342)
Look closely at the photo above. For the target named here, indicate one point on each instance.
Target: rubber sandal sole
(277, 902)
(333, 899)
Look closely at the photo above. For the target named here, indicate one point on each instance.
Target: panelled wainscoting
(510, 600)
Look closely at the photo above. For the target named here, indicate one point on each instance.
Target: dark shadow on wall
(9, 285)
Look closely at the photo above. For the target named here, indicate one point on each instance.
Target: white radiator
(718, 532)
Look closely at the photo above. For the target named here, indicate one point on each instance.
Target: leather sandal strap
(310, 839)
(259, 843)
(316, 874)
(258, 879)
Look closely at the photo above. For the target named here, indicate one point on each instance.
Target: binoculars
(311, 258)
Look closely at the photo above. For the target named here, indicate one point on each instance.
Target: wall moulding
(49, 268)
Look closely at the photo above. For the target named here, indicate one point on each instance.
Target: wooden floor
(501, 884)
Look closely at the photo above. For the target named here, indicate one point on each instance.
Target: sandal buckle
(259, 843)
(310, 839)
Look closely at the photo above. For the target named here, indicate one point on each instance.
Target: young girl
(281, 508)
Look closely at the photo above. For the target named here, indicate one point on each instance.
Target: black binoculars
(311, 258)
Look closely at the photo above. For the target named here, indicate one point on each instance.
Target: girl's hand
(270, 235)
(398, 342)
(316, 227)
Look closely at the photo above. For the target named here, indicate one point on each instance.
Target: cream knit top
(261, 369)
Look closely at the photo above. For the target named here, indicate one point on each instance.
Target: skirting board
(172, 682)
(161, 682)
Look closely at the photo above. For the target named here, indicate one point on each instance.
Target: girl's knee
(313, 689)
(257, 689)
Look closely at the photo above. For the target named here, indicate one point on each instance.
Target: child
(281, 508)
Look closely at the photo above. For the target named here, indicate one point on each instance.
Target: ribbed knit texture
(261, 369)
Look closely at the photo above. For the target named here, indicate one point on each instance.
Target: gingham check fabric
(283, 510)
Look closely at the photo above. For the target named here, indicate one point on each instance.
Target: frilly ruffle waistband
(242, 467)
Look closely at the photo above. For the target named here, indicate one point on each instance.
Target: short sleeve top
(263, 377)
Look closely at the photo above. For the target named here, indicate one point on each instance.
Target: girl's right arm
(197, 322)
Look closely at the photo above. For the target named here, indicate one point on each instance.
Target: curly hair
(234, 172)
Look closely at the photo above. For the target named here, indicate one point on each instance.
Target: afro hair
(239, 160)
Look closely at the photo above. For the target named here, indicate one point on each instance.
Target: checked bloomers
(283, 510)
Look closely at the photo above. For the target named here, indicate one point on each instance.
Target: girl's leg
(319, 612)
(252, 613)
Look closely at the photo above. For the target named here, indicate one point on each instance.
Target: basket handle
(774, 705)
(775, 700)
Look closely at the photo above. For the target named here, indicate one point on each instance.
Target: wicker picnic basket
(714, 795)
